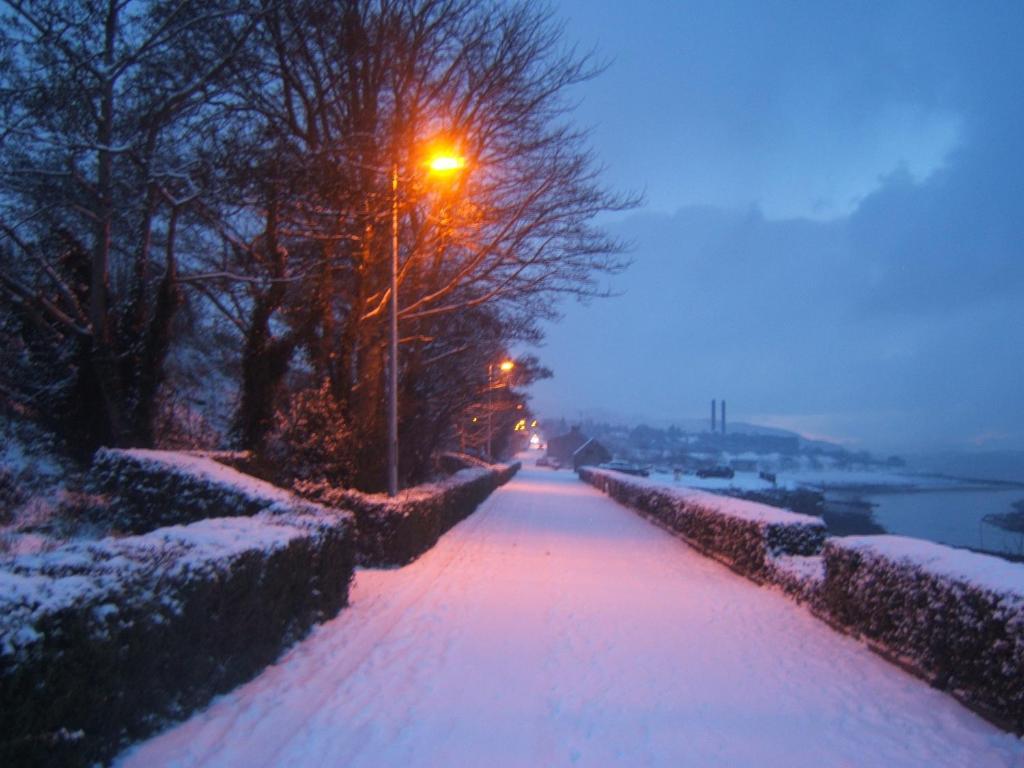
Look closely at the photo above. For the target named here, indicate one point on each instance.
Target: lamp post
(393, 344)
(505, 366)
(440, 163)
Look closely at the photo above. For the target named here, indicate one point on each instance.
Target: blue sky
(833, 230)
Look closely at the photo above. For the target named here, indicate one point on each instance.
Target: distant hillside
(687, 424)
(608, 419)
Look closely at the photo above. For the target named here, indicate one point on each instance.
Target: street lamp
(440, 163)
(505, 366)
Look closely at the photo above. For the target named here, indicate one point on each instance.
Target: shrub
(150, 489)
(397, 531)
(955, 617)
(743, 534)
(102, 643)
(310, 441)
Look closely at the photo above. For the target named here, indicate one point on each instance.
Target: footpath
(556, 627)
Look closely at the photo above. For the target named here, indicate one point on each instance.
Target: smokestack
(723, 417)
(714, 416)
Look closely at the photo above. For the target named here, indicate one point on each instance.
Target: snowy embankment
(956, 617)
(743, 534)
(953, 617)
(103, 641)
(397, 531)
(864, 481)
(158, 488)
(556, 628)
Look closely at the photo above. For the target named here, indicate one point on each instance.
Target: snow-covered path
(554, 627)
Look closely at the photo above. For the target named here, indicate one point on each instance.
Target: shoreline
(849, 511)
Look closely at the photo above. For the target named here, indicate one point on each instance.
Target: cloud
(895, 327)
(836, 219)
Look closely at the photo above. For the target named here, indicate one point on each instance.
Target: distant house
(564, 446)
(590, 453)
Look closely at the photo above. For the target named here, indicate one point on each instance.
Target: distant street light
(440, 163)
(504, 367)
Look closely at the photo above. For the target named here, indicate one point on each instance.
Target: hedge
(954, 617)
(395, 531)
(152, 489)
(950, 616)
(102, 643)
(745, 535)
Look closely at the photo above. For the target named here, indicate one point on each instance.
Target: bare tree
(253, 152)
(98, 183)
(351, 93)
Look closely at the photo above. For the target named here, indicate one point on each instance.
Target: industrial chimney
(714, 416)
(723, 417)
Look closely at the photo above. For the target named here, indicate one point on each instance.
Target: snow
(17, 543)
(555, 627)
(844, 478)
(744, 481)
(832, 479)
(991, 573)
(723, 505)
(31, 461)
(34, 496)
(210, 471)
(225, 537)
(120, 568)
(804, 568)
(399, 503)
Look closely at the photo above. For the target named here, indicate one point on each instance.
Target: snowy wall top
(203, 468)
(400, 503)
(741, 509)
(991, 573)
(154, 489)
(104, 572)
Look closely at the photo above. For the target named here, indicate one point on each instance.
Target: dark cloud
(879, 297)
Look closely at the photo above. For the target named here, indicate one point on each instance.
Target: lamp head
(445, 163)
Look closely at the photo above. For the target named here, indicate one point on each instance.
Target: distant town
(742, 447)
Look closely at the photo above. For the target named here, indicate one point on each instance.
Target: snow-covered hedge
(103, 642)
(451, 462)
(799, 575)
(743, 534)
(952, 616)
(151, 489)
(397, 531)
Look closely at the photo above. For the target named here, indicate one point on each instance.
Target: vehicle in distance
(716, 472)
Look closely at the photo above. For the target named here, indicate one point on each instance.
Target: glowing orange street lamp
(440, 163)
(446, 162)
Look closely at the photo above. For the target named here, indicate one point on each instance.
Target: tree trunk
(103, 356)
(156, 342)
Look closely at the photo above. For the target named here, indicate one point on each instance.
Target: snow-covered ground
(941, 509)
(834, 479)
(40, 492)
(554, 627)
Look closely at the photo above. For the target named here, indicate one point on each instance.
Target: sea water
(952, 517)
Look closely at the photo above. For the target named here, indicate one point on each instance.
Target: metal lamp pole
(505, 367)
(393, 344)
(490, 406)
(442, 163)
